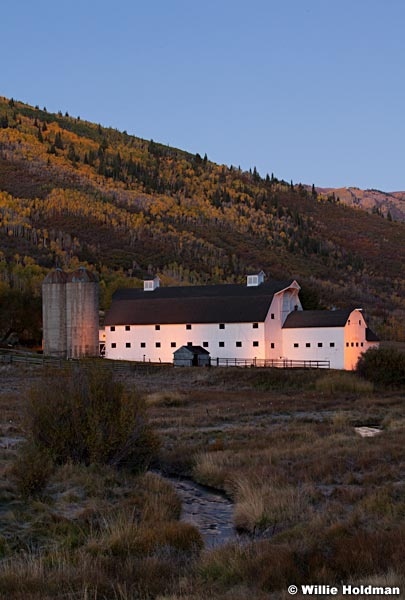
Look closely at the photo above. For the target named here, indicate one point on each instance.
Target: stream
(210, 511)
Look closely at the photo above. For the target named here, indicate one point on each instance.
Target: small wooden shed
(191, 356)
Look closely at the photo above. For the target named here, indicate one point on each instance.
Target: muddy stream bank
(210, 511)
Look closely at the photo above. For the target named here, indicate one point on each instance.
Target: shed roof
(316, 318)
(227, 303)
(191, 350)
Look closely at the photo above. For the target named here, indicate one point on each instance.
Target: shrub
(31, 470)
(383, 366)
(84, 416)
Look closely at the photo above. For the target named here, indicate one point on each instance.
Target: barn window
(347, 344)
(352, 344)
(255, 325)
(172, 344)
(143, 345)
(332, 344)
(357, 344)
(272, 315)
(221, 344)
(320, 344)
(112, 328)
(205, 344)
(222, 325)
(189, 344)
(127, 328)
(272, 345)
(359, 322)
(157, 344)
(239, 344)
(361, 344)
(157, 327)
(255, 344)
(127, 344)
(113, 345)
(296, 345)
(188, 326)
(308, 345)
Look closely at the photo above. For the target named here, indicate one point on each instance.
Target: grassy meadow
(318, 502)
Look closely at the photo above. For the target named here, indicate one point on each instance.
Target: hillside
(74, 192)
(390, 205)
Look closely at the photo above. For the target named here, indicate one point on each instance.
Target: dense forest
(73, 192)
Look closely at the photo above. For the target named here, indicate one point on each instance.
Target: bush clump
(31, 470)
(383, 366)
(82, 415)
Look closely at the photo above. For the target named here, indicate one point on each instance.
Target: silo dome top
(56, 276)
(82, 275)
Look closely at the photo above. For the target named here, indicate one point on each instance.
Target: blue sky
(310, 90)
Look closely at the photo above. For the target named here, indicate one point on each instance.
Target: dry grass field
(319, 503)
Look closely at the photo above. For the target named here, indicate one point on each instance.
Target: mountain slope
(386, 204)
(72, 191)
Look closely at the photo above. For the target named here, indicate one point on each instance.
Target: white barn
(337, 336)
(257, 322)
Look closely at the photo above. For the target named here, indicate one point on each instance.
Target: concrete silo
(54, 314)
(82, 296)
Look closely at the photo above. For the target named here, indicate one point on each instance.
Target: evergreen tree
(72, 153)
(58, 141)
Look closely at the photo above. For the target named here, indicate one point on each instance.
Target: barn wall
(355, 339)
(197, 335)
(326, 336)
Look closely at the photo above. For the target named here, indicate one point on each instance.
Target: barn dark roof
(316, 318)
(371, 336)
(227, 303)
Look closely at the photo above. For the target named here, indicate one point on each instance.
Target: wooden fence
(13, 357)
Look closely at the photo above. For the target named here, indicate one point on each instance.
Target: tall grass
(268, 504)
(343, 382)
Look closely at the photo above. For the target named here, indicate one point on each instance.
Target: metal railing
(282, 363)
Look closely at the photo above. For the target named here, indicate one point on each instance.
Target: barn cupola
(255, 280)
(151, 284)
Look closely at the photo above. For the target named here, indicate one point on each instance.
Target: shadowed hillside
(74, 192)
